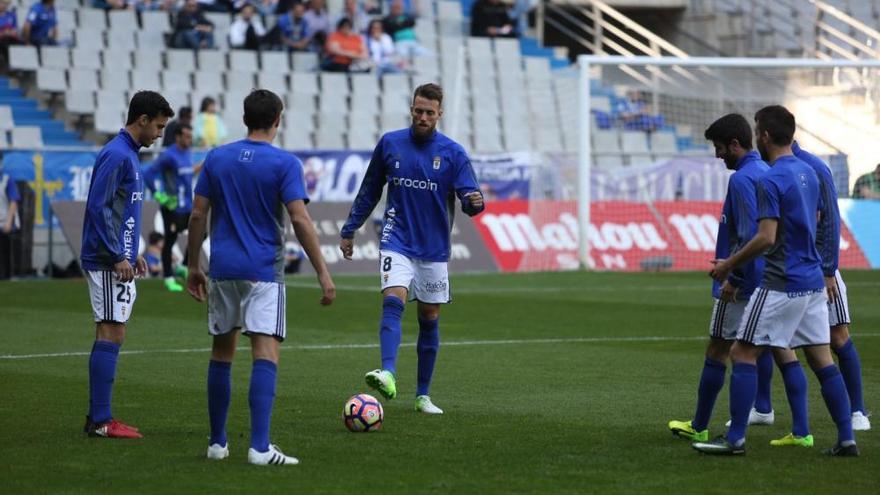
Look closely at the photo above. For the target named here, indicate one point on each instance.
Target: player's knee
(783, 356)
(111, 332)
(264, 347)
(718, 350)
(429, 311)
(839, 336)
(743, 352)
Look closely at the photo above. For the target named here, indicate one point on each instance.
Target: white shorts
(838, 311)
(254, 307)
(112, 300)
(782, 319)
(426, 281)
(726, 317)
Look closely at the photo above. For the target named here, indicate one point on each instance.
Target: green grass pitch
(551, 383)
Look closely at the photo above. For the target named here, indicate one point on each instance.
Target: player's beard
(763, 151)
(423, 132)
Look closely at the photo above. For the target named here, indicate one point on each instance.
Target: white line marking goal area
(452, 343)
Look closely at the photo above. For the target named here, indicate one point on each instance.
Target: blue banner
(861, 217)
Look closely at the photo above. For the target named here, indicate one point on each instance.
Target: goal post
(836, 104)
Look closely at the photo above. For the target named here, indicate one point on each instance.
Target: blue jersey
(423, 177)
(42, 20)
(789, 192)
(174, 171)
(739, 223)
(828, 228)
(248, 184)
(112, 223)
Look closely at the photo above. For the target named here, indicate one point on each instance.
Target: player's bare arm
(308, 239)
(196, 282)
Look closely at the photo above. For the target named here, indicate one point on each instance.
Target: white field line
(454, 343)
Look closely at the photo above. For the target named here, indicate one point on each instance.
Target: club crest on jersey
(436, 163)
(803, 180)
(246, 155)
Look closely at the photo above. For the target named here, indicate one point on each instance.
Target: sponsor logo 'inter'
(246, 155)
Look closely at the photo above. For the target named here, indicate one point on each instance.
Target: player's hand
(831, 289)
(328, 288)
(729, 292)
(141, 268)
(721, 270)
(7, 228)
(347, 247)
(475, 198)
(196, 284)
(123, 270)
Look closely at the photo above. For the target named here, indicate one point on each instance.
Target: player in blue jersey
(425, 171)
(111, 233)
(790, 308)
(174, 170)
(246, 185)
(828, 245)
(731, 136)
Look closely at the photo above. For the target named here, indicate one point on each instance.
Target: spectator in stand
(345, 49)
(292, 29)
(247, 31)
(317, 22)
(41, 26)
(868, 186)
(222, 6)
(145, 5)
(491, 18)
(153, 253)
(381, 49)
(401, 27)
(9, 199)
(184, 117)
(8, 31)
(208, 128)
(635, 114)
(266, 7)
(360, 21)
(193, 29)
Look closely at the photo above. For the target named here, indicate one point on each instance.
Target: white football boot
(860, 421)
(757, 418)
(424, 405)
(273, 456)
(217, 452)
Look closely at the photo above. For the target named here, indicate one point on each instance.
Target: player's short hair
(155, 237)
(429, 91)
(261, 109)
(178, 131)
(206, 102)
(778, 122)
(149, 103)
(731, 126)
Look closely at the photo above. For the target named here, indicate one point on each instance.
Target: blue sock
(260, 398)
(796, 390)
(765, 375)
(834, 393)
(389, 332)
(851, 369)
(426, 348)
(219, 394)
(743, 386)
(711, 382)
(102, 373)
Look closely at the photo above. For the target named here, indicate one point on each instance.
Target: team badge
(246, 155)
(436, 163)
(803, 178)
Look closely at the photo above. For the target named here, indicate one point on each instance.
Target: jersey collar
(748, 157)
(129, 139)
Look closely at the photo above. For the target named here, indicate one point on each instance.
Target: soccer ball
(362, 412)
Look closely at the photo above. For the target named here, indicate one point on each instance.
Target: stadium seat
(208, 82)
(121, 40)
(392, 121)
(600, 103)
(108, 120)
(148, 60)
(27, 137)
(334, 84)
(275, 62)
(240, 81)
(155, 21)
(365, 104)
(110, 99)
(364, 85)
(297, 140)
(305, 62)
(330, 104)
(114, 79)
(86, 58)
(178, 99)
(182, 60)
(89, 18)
(634, 142)
(301, 103)
(361, 139)
(51, 80)
(449, 10)
(54, 57)
(329, 139)
(23, 58)
(232, 118)
(606, 142)
(298, 122)
(4, 141)
(174, 80)
(122, 20)
(149, 39)
(306, 83)
(243, 61)
(145, 79)
(487, 140)
(83, 79)
(275, 82)
(6, 120)
(211, 61)
(607, 162)
(79, 101)
(117, 59)
(663, 143)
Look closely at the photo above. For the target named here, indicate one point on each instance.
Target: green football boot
(792, 440)
(685, 430)
(383, 381)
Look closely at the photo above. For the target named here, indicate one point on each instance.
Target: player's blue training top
(248, 183)
(789, 192)
(112, 223)
(739, 223)
(42, 19)
(828, 228)
(423, 177)
(174, 170)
